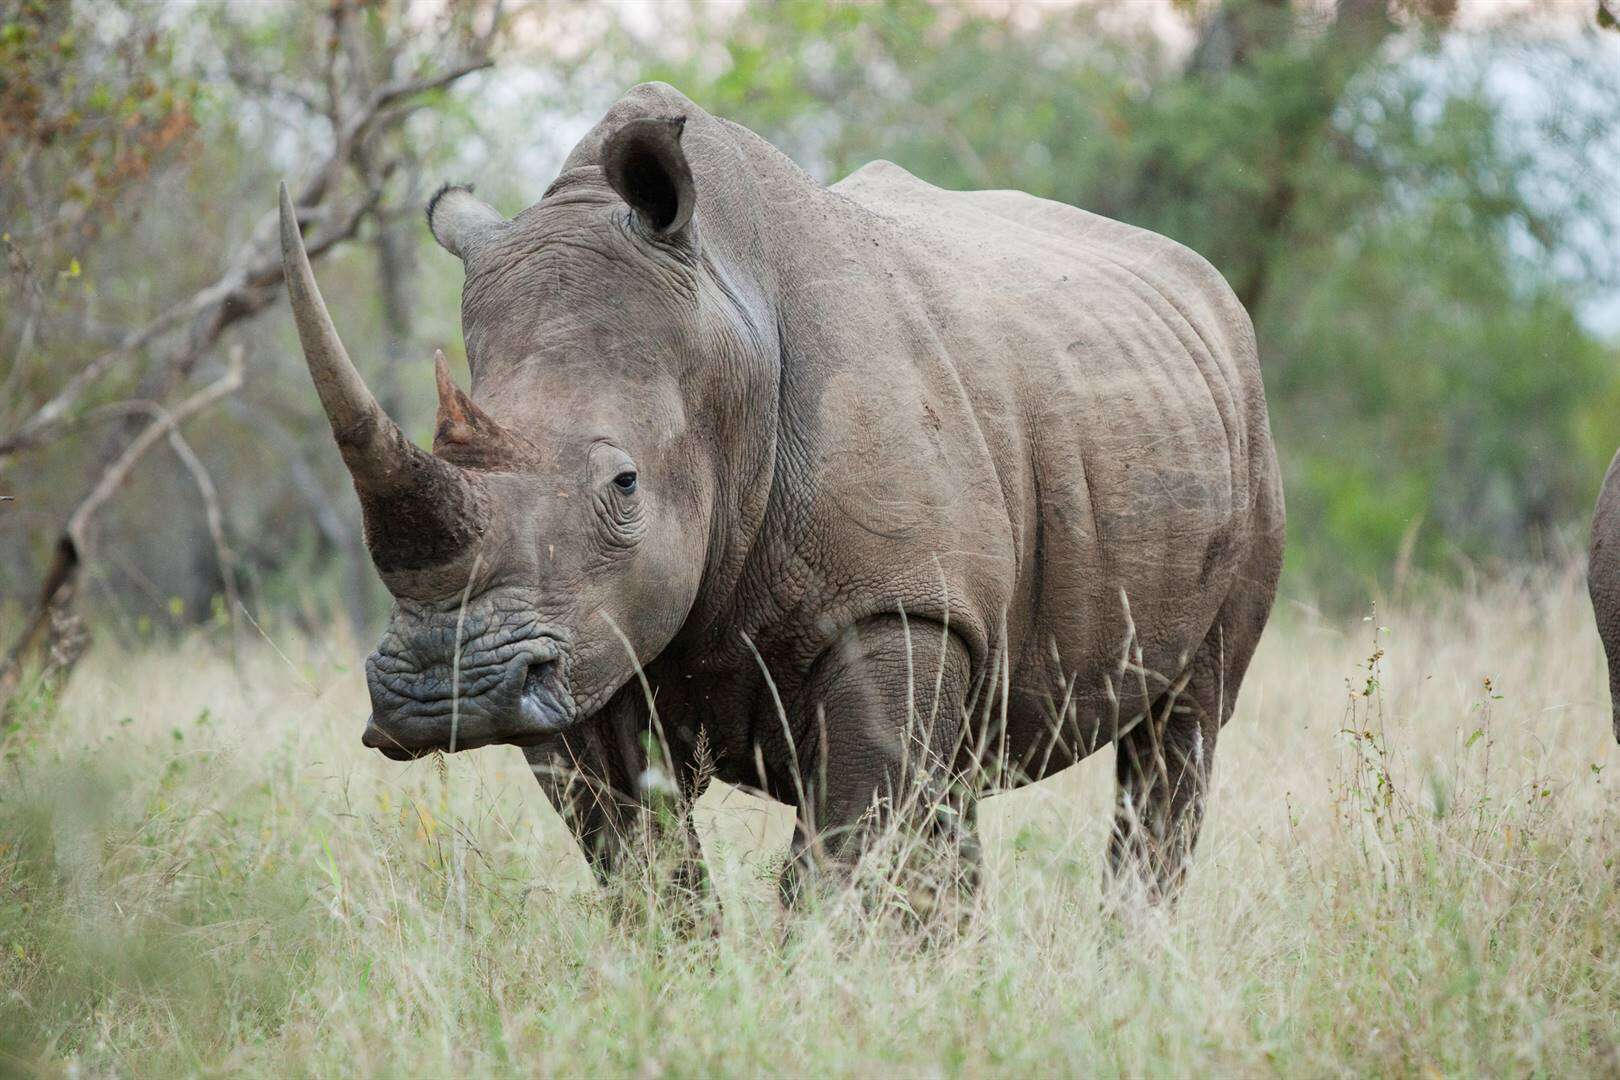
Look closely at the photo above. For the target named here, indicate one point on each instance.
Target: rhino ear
(645, 164)
(459, 220)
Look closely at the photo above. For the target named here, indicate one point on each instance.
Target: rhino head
(574, 503)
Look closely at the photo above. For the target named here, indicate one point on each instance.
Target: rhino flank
(880, 488)
(1603, 579)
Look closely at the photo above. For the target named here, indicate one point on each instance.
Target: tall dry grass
(1410, 868)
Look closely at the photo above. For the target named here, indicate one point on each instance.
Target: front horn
(419, 510)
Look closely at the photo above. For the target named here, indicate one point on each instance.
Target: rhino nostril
(541, 702)
(534, 680)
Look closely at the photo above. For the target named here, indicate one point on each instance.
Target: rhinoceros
(852, 492)
(1603, 579)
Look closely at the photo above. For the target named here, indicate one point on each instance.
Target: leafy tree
(93, 93)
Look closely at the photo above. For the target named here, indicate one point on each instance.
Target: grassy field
(1412, 867)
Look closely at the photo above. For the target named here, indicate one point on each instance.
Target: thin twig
(223, 554)
(53, 610)
(115, 475)
(235, 296)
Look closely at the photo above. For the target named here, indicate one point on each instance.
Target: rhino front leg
(594, 799)
(635, 840)
(878, 724)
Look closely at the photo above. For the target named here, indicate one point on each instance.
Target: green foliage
(85, 116)
(139, 151)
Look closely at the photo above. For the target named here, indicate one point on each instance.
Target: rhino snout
(516, 692)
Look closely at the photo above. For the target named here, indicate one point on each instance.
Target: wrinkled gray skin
(984, 482)
(1603, 579)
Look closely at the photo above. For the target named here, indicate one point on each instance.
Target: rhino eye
(626, 482)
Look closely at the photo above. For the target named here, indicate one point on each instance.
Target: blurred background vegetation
(1418, 202)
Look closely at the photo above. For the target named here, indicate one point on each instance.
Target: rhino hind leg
(1614, 692)
(1611, 651)
(881, 795)
(1603, 583)
(1162, 767)
(1163, 764)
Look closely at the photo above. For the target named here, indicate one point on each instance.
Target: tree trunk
(396, 268)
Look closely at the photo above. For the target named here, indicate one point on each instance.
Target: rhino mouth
(518, 700)
(544, 703)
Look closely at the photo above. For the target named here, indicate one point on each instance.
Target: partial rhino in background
(1603, 579)
(883, 489)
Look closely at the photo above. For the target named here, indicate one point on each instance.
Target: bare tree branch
(42, 424)
(360, 112)
(387, 95)
(53, 626)
(223, 554)
(115, 475)
(269, 86)
(258, 265)
(235, 296)
(376, 113)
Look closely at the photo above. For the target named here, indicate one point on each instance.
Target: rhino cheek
(623, 623)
